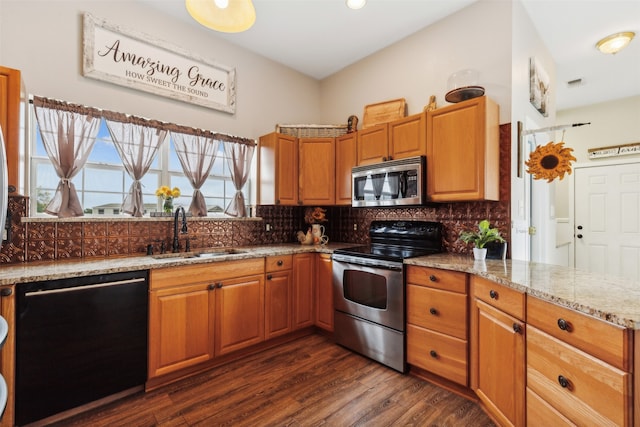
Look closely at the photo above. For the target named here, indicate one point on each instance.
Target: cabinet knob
(493, 294)
(219, 284)
(564, 325)
(564, 382)
(433, 278)
(517, 328)
(211, 286)
(433, 354)
(5, 292)
(280, 262)
(269, 277)
(433, 311)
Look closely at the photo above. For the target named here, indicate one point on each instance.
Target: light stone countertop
(615, 300)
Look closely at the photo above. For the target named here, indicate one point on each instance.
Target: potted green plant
(485, 234)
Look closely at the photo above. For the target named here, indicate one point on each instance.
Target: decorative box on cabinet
(437, 333)
(498, 350)
(277, 170)
(579, 368)
(463, 151)
(278, 291)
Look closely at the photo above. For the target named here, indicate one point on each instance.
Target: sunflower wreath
(550, 161)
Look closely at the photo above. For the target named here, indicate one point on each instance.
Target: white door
(607, 219)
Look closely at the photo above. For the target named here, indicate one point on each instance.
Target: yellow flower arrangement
(165, 192)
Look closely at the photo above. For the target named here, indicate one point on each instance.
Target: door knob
(579, 236)
(579, 227)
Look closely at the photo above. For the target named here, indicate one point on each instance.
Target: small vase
(479, 253)
(167, 206)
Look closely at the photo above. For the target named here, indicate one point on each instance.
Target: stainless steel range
(369, 288)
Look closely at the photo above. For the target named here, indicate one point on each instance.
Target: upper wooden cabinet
(346, 159)
(395, 140)
(316, 171)
(11, 96)
(463, 151)
(277, 170)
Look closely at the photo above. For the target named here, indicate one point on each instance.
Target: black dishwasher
(79, 340)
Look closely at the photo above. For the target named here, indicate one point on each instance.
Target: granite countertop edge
(615, 300)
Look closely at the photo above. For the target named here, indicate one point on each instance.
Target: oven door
(371, 292)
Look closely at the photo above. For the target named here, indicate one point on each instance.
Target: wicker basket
(312, 131)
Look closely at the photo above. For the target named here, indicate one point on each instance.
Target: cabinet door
(407, 137)
(324, 292)
(373, 144)
(8, 352)
(498, 376)
(303, 290)
(181, 325)
(10, 100)
(239, 313)
(346, 159)
(277, 170)
(317, 171)
(463, 151)
(277, 290)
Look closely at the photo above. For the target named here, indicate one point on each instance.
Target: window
(103, 183)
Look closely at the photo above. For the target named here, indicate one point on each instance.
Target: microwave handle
(403, 184)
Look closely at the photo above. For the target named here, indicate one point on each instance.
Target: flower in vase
(167, 195)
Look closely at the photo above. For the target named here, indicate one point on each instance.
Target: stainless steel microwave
(393, 183)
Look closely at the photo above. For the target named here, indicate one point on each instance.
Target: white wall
(43, 39)
(478, 37)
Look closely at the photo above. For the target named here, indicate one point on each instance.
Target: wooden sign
(132, 59)
(613, 151)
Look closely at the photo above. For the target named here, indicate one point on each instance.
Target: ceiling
(321, 37)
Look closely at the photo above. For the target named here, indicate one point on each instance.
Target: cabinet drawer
(603, 340)
(437, 353)
(176, 276)
(278, 263)
(453, 281)
(505, 299)
(584, 389)
(439, 310)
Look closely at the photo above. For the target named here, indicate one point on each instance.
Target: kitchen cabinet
(8, 351)
(324, 292)
(278, 290)
(316, 171)
(303, 295)
(346, 159)
(437, 331)
(578, 368)
(277, 170)
(395, 140)
(197, 312)
(12, 96)
(498, 350)
(463, 152)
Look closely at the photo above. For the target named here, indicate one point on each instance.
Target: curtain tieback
(65, 181)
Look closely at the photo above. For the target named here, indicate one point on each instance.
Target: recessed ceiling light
(356, 4)
(615, 42)
(223, 15)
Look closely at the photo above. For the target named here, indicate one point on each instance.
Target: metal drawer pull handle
(433, 354)
(493, 294)
(433, 278)
(564, 383)
(433, 311)
(564, 325)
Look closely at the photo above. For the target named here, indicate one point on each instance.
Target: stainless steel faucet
(183, 230)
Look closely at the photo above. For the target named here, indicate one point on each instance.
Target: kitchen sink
(209, 253)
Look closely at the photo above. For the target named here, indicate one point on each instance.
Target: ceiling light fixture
(227, 16)
(615, 42)
(356, 4)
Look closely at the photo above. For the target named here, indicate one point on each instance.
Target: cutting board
(383, 112)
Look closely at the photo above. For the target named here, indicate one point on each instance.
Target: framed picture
(538, 87)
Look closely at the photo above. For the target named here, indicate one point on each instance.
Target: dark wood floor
(308, 382)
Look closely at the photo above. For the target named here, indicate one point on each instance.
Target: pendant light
(227, 16)
(615, 42)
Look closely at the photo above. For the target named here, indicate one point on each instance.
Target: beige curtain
(239, 152)
(68, 133)
(197, 152)
(137, 141)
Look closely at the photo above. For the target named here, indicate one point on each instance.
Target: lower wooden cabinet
(498, 350)
(8, 351)
(303, 295)
(278, 295)
(324, 292)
